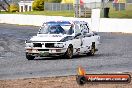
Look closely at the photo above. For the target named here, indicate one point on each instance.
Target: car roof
(64, 22)
(80, 22)
(58, 23)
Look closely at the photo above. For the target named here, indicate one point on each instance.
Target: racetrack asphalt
(114, 55)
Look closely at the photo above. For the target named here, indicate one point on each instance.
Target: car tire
(30, 57)
(69, 52)
(81, 80)
(92, 51)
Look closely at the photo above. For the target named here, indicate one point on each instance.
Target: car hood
(47, 37)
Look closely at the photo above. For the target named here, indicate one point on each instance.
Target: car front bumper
(45, 52)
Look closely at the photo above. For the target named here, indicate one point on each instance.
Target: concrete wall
(35, 20)
(116, 25)
(106, 24)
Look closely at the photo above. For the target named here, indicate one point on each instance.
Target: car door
(77, 40)
(86, 39)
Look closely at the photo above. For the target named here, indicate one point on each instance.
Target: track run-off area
(114, 55)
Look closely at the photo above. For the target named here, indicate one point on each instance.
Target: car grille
(49, 45)
(43, 49)
(37, 45)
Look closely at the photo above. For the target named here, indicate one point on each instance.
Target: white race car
(62, 38)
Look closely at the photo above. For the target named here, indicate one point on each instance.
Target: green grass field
(121, 14)
(47, 13)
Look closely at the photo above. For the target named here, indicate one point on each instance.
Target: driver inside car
(57, 29)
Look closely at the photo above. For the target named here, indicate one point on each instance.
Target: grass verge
(46, 13)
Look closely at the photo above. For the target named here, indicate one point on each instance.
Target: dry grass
(55, 82)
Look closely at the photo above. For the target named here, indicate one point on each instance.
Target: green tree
(38, 5)
(13, 8)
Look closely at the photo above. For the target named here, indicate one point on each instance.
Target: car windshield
(56, 28)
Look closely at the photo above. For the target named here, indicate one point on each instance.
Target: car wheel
(81, 80)
(92, 51)
(30, 57)
(69, 52)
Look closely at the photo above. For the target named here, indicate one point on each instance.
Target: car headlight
(28, 41)
(29, 44)
(59, 45)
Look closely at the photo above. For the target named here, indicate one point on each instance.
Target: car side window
(77, 29)
(84, 29)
